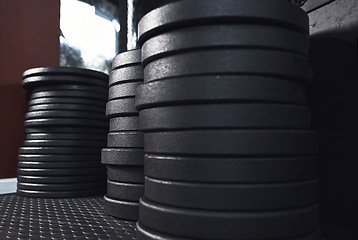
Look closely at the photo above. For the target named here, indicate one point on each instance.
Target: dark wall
(29, 37)
(334, 105)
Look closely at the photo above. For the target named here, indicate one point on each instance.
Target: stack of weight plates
(65, 129)
(125, 145)
(229, 153)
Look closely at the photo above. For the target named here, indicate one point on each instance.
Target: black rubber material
(64, 157)
(126, 58)
(226, 35)
(71, 71)
(60, 187)
(34, 81)
(124, 124)
(121, 107)
(65, 136)
(59, 150)
(233, 142)
(192, 223)
(125, 174)
(72, 130)
(67, 107)
(121, 209)
(144, 233)
(233, 115)
(59, 219)
(123, 156)
(61, 194)
(189, 13)
(230, 170)
(68, 122)
(61, 179)
(60, 172)
(57, 165)
(128, 139)
(71, 87)
(232, 196)
(230, 61)
(63, 143)
(122, 90)
(70, 94)
(209, 89)
(125, 191)
(64, 114)
(58, 100)
(133, 73)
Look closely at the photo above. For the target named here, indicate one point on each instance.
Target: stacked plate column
(65, 130)
(229, 153)
(125, 145)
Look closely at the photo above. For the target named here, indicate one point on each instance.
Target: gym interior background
(36, 33)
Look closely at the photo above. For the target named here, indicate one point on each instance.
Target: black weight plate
(205, 224)
(226, 35)
(56, 165)
(71, 87)
(144, 233)
(123, 90)
(128, 139)
(61, 179)
(233, 142)
(70, 71)
(68, 122)
(127, 74)
(64, 143)
(65, 136)
(190, 13)
(60, 187)
(121, 107)
(64, 157)
(125, 191)
(127, 58)
(61, 194)
(69, 94)
(123, 156)
(65, 114)
(125, 174)
(202, 89)
(58, 100)
(124, 124)
(242, 115)
(60, 171)
(230, 61)
(232, 196)
(59, 150)
(72, 130)
(67, 107)
(230, 170)
(31, 82)
(121, 209)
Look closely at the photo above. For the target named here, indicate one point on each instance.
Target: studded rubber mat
(66, 218)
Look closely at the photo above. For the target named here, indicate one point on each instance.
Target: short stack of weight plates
(229, 153)
(65, 129)
(125, 143)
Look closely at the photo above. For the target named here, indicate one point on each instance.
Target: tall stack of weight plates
(65, 129)
(229, 153)
(125, 150)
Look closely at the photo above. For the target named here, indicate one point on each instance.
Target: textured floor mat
(66, 218)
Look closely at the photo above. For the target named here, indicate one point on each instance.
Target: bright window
(89, 34)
